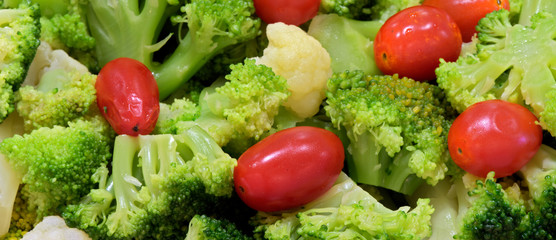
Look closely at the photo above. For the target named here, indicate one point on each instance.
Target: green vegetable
(19, 40)
(204, 28)
(346, 211)
(239, 111)
(512, 63)
(57, 164)
(366, 9)
(59, 98)
(157, 184)
(202, 227)
(397, 129)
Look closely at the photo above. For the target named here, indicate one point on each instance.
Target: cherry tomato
(494, 135)
(127, 96)
(294, 12)
(289, 168)
(467, 13)
(411, 42)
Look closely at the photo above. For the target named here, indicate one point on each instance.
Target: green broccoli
(471, 208)
(65, 91)
(349, 42)
(540, 177)
(157, 184)
(205, 29)
(346, 211)
(202, 227)
(240, 110)
(19, 40)
(366, 9)
(512, 63)
(57, 164)
(23, 218)
(353, 9)
(63, 26)
(397, 128)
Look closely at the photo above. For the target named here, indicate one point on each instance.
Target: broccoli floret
(397, 128)
(206, 28)
(512, 63)
(19, 40)
(63, 26)
(349, 42)
(202, 227)
(540, 177)
(477, 208)
(529, 8)
(353, 9)
(64, 90)
(157, 184)
(241, 109)
(346, 211)
(57, 164)
(366, 9)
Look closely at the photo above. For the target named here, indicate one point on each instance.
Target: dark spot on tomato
(136, 128)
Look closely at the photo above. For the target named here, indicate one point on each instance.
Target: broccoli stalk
(346, 211)
(366, 9)
(157, 184)
(125, 29)
(19, 40)
(397, 129)
(349, 42)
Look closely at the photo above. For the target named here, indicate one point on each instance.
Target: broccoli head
(243, 108)
(64, 90)
(19, 40)
(397, 128)
(157, 184)
(203, 227)
(346, 211)
(512, 63)
(57, 164)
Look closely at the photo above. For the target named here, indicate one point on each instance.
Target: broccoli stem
(125, 23)
(190, 55)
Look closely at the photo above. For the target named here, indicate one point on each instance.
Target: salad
(266, 119)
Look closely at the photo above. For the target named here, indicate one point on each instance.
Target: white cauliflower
(301, 59)
(54, 228)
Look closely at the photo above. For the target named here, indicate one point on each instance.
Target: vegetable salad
(278, 119)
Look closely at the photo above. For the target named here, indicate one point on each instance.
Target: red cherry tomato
(494, 135)
(127, 96)
(289, 168)
(294, 12)
(467, 13)
(411, 42)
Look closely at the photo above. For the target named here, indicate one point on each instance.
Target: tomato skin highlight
(494, 135)
(411, 42)
(289, 168)
(127, 96)
(467, 13)
(294, 12)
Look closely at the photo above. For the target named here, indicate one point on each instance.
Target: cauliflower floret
(55, 228)
(301, 59)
